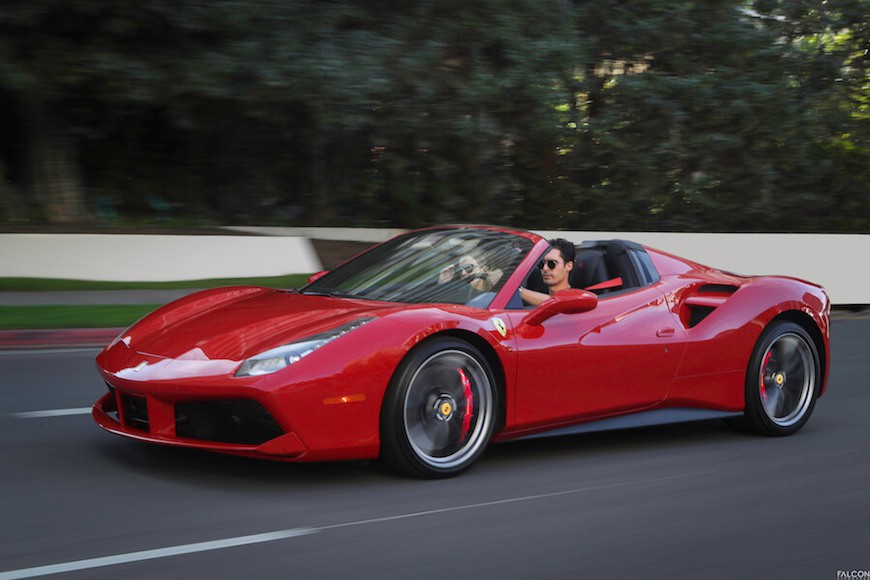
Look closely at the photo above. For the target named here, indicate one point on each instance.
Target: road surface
(683, 501)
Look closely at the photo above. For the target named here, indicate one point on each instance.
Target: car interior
(604, 267)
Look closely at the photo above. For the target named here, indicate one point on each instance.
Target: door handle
(665, 332)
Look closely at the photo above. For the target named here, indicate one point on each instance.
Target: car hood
(241, 322)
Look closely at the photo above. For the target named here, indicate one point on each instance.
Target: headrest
(616, 247)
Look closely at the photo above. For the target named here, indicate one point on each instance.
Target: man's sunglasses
(551, 264)
(467, 268)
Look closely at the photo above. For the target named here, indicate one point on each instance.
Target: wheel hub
(444, 408)
(779, 379)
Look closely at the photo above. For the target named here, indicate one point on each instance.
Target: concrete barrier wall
(127, 258)
(841, 263)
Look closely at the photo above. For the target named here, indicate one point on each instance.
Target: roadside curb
(57, 338)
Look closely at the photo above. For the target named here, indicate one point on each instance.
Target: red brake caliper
(761, 379)
(469, 403)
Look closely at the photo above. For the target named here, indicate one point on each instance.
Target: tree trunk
(11, 204)
(321, 208)
(55, 176)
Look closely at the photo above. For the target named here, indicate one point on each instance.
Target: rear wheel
(439, 412)
(782, 381)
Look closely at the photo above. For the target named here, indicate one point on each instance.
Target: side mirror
(570, 301)
(317, 276)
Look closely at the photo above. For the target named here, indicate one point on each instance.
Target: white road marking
(152, 554)
(508, 501)
(297, 532)
(52, 413)
(19, 352)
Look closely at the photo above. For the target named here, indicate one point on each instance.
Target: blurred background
(665, 115)
(594, 115)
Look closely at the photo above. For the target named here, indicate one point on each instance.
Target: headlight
(277, 358)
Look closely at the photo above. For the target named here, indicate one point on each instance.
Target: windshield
(456, 266)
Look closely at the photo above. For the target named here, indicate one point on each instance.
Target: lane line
(48, 350)
(52, 413)
(511, 500)
(152, 554)
(297, 532)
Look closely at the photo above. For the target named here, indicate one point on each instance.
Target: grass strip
(72, 316)
(107, 315)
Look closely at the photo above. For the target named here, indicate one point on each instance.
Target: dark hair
(565, 248)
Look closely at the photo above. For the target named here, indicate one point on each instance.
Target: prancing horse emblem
(500, 326)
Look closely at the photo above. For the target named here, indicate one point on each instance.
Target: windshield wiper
(330, 293)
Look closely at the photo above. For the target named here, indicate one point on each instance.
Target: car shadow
(629, 440)
(218, 470)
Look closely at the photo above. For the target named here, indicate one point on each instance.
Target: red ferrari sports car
(421, 351)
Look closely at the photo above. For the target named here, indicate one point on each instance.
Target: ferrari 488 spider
(420, 352)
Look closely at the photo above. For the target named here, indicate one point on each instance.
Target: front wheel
(782, 381)
(439, 412)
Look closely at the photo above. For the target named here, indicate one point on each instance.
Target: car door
(618, 357)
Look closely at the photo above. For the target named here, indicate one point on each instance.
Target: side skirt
(643, 419)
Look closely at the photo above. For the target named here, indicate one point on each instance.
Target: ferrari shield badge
(500, 326)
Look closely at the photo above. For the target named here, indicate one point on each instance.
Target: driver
(555, 268)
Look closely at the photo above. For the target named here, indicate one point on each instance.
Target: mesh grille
(240, 421)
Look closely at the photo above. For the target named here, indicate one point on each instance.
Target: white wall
(128, 258)
(841, 263)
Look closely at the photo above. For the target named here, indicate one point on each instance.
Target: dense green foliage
(598, 114)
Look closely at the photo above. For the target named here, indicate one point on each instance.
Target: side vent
(724, 289)
(703, 301)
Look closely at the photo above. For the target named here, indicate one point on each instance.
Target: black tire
(439, 411)
(782, 380)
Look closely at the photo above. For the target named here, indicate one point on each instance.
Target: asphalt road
(682, 501)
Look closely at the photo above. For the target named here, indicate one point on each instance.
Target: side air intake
(703, 301)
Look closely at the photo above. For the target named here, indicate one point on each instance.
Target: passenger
(470, 269)
(555, 268)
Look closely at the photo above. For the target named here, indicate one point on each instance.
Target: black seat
(535, 281)
(589, 269)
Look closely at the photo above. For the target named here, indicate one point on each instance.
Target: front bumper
(235, 426)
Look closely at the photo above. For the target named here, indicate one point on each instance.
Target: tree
(76, 69)
(748, 115)
(695, 117)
